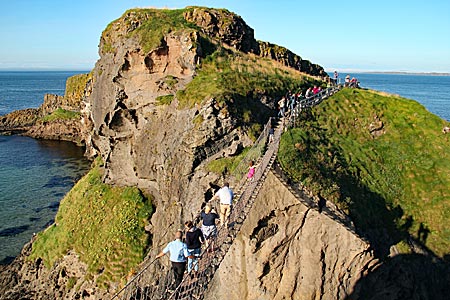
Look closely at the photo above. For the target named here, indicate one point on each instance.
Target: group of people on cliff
(290, 100)
(189, 250)
(353, 82)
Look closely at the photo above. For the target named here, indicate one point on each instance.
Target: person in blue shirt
(177, 255)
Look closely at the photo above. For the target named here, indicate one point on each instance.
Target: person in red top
(251, 170)
(315, 90)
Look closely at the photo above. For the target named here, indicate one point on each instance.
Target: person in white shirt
(225, 196)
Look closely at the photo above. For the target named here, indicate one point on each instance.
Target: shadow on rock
(409, 276)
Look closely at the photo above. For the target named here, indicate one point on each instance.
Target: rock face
(289, 59)
(286, 250)
(27, 280)
(228, 27)
(53, 102)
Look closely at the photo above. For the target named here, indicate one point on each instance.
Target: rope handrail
(132, 290)
(210, 259)
(193, 289)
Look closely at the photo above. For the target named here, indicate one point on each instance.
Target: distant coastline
(405, 73)
(356, 71)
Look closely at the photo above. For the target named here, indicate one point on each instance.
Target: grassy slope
(226, 74)
(396, 183)
(104, 224)
(237, 81)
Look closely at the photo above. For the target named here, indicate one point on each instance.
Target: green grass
(71, 283)
(164, 100)
(75, 86)
(61, 114)
(396, 183)
(226, 74)
(103, 224)
(108, 48)
(171, 81)
(227, 165)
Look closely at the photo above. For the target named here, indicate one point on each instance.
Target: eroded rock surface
(30, 280)
(286, 250)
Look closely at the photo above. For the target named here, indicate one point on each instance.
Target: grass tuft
(61, 114)
(164, 100)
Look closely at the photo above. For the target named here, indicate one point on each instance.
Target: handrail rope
(255, 183)
(262, 135)
(311, 101)
(138, 274)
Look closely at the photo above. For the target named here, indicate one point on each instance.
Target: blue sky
(344, 35)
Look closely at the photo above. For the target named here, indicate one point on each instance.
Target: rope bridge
(151, 286)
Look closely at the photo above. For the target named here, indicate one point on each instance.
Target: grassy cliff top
(103, 224)
(148, 25)
(382, 158)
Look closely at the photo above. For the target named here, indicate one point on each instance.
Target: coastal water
(34, 174)
(20, 90)
(433, 92)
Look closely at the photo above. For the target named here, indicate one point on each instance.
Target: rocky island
(170, 107)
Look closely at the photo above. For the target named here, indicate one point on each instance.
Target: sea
(35, 174)
(432, 91)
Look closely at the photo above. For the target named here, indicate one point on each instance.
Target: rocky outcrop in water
(19, 121)
(62, 130)
(39, 123)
